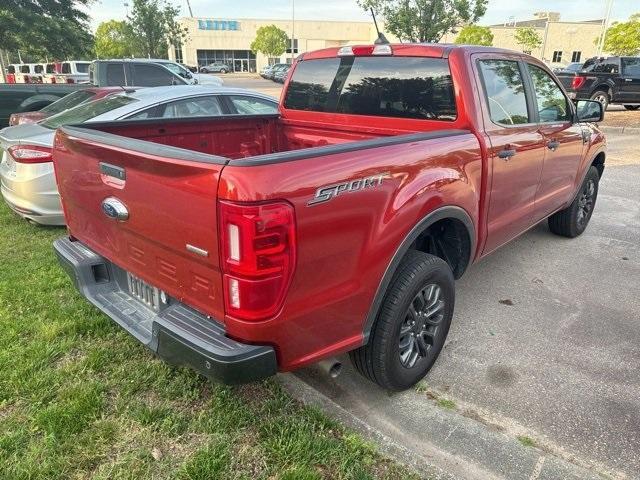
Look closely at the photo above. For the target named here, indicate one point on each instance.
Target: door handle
(553, 145)
(506, 154)
(628, 79)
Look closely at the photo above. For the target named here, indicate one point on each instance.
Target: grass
(80, 398)
(526, 441)
(445, 403)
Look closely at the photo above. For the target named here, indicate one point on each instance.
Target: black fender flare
(431, 218)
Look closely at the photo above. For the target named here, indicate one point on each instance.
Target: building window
(295, 46)
(575, 56)
(236, 60)
(273, 60)
(557, 56)
(178, 53)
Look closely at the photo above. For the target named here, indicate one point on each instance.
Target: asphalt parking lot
(544, 349)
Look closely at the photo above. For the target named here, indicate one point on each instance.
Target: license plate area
(151, 296)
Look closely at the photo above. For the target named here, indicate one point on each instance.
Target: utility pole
(189, 7)
(605, 26)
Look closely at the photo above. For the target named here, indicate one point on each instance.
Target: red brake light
(577, 82)
(31, 154)
(258, 257)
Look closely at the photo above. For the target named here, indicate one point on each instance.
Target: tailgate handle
(113, 171)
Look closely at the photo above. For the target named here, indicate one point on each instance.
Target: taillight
(70, 80)
(13, 120)
(31, 154)
(577, 82)
(258, 256)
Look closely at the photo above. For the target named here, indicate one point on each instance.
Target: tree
(41, 29)
(425, 20)
(114, 40)
(270, 41)
(527, 38)
(623, 38)
(154, 27)
(475, 35)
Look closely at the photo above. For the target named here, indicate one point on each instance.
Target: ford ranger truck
(242, 246)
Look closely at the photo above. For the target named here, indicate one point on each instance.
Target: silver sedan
(27, 177)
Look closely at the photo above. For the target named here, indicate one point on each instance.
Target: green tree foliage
(270, 41)
(114, 40)
(154, 27)
(623, 38)
(527, 38)
(425, 20)
(475, 35)
(45, 29)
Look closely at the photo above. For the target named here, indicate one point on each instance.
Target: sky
(498, 11)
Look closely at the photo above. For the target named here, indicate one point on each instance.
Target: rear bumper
(175, 332)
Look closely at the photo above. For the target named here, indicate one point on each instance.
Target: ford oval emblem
(114, 208)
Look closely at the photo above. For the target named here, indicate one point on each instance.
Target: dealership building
(229, 40)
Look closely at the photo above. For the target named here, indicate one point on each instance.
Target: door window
(253, 106)
(552, 104)
(193, 107)
(115, 74)
(504, 88)
(631, 67)
(608, 66)
(152, 76)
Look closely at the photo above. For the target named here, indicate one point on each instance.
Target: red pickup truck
(244, 246)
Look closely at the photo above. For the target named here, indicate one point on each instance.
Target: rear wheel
(602, 97)
(412, 325)
(632, 107)
(573, 220)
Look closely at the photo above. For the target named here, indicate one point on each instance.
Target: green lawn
(79, 398)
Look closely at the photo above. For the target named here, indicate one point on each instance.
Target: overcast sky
(498, 10)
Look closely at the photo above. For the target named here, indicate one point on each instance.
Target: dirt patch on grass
(621, 118)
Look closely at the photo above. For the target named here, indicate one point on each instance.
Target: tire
(573, 220)
(203, 70)
(601, 96)
(632, 107)
(223, 71)
(421, 280)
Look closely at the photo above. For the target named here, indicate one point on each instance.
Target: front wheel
(412, 325)
(632, 107)
(573, 220)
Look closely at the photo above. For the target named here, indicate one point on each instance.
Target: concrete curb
(435, 442)
(627, 130)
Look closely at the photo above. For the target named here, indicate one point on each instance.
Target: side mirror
(589, 111)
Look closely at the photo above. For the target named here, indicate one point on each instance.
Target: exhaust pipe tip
(331, 367)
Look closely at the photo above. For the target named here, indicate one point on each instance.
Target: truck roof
(437, 50)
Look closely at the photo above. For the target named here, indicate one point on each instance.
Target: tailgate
(169, 238)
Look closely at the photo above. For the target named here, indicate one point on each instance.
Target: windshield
(405, 87)
(87, 111)
(68, 101)
(178, 70)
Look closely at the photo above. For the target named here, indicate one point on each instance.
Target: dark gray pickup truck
(607, 80)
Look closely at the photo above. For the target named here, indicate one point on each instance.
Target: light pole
(605, 25)
(293, 28)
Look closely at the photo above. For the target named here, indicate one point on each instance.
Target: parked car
(265, 71)
(26, 172)
(73, 72)
(275, 69)
(216, 67)
(280, 75)
(571, 68)
(65, 103)
(339, 225)
(610, 80)
(24, 97)
(145, 72)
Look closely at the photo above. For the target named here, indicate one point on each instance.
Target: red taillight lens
(258, 257)
(577, 82)
(70, 80)
(31, 154)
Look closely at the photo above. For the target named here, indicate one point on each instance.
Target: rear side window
(51, 68)
(115, 74)
(66, 67)
(24, 69)
(403, 87)
(631, 67)
(252, 106)
(82, 67)
(11, 69)
(607, 66)
(39, 69)
(504, 89)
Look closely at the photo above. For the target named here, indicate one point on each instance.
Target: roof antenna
(381, 40)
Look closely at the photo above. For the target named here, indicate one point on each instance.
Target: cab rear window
(404, 87)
